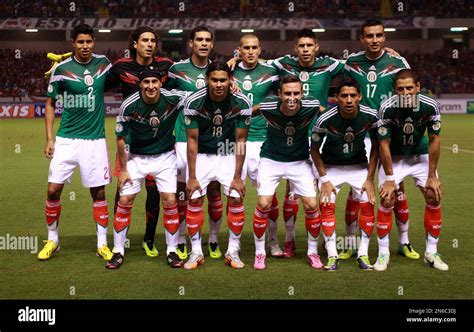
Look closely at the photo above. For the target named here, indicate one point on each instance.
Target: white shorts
(403, 166)
(161, 166)
(90, 155)
(299, 173)
(353, 175)
(368, 146)
(211, 167)
(252, 159)
(181, 160)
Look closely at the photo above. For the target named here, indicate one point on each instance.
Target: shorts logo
(247, 85)
(154, 121)
(187, 120)
(436, 125)
(200, 83)
(290, 130)
(88, 80)
(217, 120)
(304, 76)
(50, 88)
(119, 128)
(349, 137)
(316, 137)
(382, 131)
(371, 76)
(248, 121)
(408, 128)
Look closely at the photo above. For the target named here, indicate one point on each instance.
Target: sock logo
(37, 315)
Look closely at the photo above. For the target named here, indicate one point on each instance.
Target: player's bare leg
(214, 209)
(52, 212)
(403, 223)
(152, 210)
(235, 221)
(290, 212)
(182, 250)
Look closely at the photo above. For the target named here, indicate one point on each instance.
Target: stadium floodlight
(105, 30)
(458, 29)
(31, 30)
(175, 31)
(319, 30)
(390, 29)
(247, 30)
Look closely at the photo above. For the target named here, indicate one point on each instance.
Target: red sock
(52, 211)
(194, 218)
(182, 207)
(433, 220)
(274, 210)
(123, 217)
(384, 221)
(260, 222)
(367, 218)
(100, 213)
(214, 208)
(313, 222)
(290, 208)
(236, 218)
(352, 210)
(171, 219)
(401, 208)
(328, 218)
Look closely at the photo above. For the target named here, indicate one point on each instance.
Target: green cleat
(347, 253)
(364, 263)
(182, 251)
(214, 250)
(407, 250)
(331, 265)
(150, 249)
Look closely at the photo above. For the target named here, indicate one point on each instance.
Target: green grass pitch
(76, 273)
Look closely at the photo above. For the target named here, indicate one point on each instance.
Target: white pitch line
(460, 150)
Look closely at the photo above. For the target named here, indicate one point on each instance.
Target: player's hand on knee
(239, 186)
(49, 149)
(192, 186)
(433, 185)
(327, 189)
(388, 190)
(369, 188)
(123, 178)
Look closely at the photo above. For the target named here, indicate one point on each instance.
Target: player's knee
(197, 201)
(213, 189)
(264, 203)
(54, 194)
(98, 193)
(169, 199)
(430, 198)
(310, 205)
(388, 202)
(127, 199)
(235, 200)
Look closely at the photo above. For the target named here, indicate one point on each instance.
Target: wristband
(324, 179)
(389, 177)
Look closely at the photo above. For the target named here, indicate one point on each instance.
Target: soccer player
(190, 75)
(125, 72)
(375, 70)
(285, 154)
(257, 80)
(343, 160)
(78, 83)
(147, 119)
(406, 151)
(217, 123)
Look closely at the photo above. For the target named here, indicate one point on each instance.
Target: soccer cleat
(382, 262)
(434, 260)
(104, 253)
(259, 262)
(214, 250)
(194, 261)
(290, 248)
(115, 262)
(182, 251)
(174, 261)
(150, 249)
(332, 264)
(364, 263)
(233, 259)
(49, 248)
(315, 261)
(275, 250)
(347, 253)
(407, 250)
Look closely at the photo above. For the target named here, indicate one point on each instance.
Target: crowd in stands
(235, 8)
(440, 72)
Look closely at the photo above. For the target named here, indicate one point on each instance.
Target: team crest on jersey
(247, 85)
(408, 128)
(436, 125)
(248, 121)
(217, 119)
(200, 83)
(315, 137)
(382, 131)
(119, 128)
(349, 137)
(50, 88)
(371, 76)
(187, 120)
(304, 76)
(290, 130)
(154, 121)
(88, 80)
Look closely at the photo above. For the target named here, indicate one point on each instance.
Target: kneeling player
(148, 118)
(343, 160)
(404, 151)
(284, 154)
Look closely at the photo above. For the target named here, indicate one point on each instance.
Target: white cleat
(195, 259)
(382, 262)
(275, 250)
(434, 260)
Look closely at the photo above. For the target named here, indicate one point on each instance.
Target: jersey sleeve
(336, 67)
(190, 114)
(174, 97)
(172, 81)
(113, 78)
(318, 132)
(122, 127)
(434, 119)
(55, 86)
(384, 123)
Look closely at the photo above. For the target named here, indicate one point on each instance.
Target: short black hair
(200, 28)
(84, 29)
(371, 22)
(407, 73)
(289, 79)
(148, 72)
(347, 81)
(218, 65)
(135, 36)
(306, 33)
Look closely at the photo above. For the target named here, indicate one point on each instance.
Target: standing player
(343, 160)
(80, 140)
(257, 80)
(375, 69)
(217, 123)
(147, 119)
(285, 154)
(190, 75)
(406, 151)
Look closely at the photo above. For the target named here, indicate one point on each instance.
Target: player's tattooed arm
(368, 185)
(433, 182)
(327, 188)
(123, 177)
(241, 138)
(389, 187)
(192, 148)
(49, 122)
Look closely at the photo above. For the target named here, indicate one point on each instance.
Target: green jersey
(406, 126)
(79, 88)
(287, 138)
(149, 127)
(316, 78)
(344, 144)
(256, 83)
(216, 121)
(376, 77)
(185, 76)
